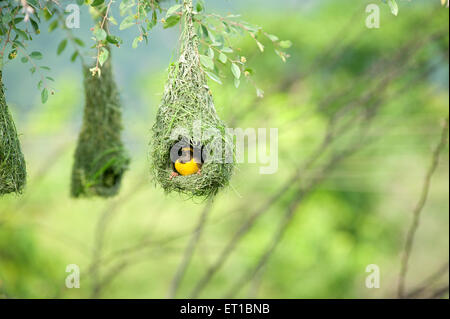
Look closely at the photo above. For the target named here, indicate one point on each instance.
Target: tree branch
(418, 209)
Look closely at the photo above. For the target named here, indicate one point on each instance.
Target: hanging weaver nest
(12, 163)
(187, 119)
(100, 158)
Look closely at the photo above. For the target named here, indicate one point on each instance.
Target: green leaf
(211, 53)
(154, 20)
(61, 47)
(36, 55)
(113, 39)
(249, 71)
(281, 54)
(127, 23)
(204, 30)
(171, 21)
(21, 33)
(285, 44)
(237, 82)
(200, 5)
(24, 60)
(207, 62)
(136, 42)
(252, 28)
(6, 17)
(112, 20)
(12, 55)
(74, 56)
(227, 50)
(272, 37)
(35, 26)
(394, 6)
(20, 44)
(236, 71)
(124, 6)
(223, 58)
(53, 25)
(79, 42)
(44, 95)
(212, 37)
(259, 93)
(214, 77)
(260, 46)
(172, 10)
(96, 3)
(99, 34)
(104, 54)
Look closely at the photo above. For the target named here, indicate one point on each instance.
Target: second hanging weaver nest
(100, 157)
(187, 114)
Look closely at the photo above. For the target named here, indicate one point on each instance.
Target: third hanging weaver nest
(187, 114)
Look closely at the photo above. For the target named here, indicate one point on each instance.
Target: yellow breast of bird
(188, 168)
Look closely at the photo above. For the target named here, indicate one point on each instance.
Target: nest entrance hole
(111, 178)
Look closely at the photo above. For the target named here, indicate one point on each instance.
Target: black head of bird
(188, 163)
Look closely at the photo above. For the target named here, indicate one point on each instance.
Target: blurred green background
(379, 95)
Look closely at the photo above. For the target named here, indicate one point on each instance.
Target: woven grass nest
(187, 118)
(12, 163)
(100, 157)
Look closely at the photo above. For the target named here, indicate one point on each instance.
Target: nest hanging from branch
(12, 163)
(187, 120)
(100, 157)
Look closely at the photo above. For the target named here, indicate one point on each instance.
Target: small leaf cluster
(20, 21)
(142, 14)
(19, 24)
(217, 36)
(57, 19)
(393, 5)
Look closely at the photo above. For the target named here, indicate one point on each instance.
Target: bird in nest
(187, 164)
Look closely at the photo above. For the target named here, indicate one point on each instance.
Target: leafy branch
(19, 22)
(395, 9)
(216, 34)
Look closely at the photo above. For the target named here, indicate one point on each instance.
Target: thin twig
(103, 25)
(427, 283)
(301, 193)
(439, 293)
(418, 209)
(330, 137)
(246, 226)
(102, 224)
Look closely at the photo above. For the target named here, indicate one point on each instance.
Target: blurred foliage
(393, 80)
